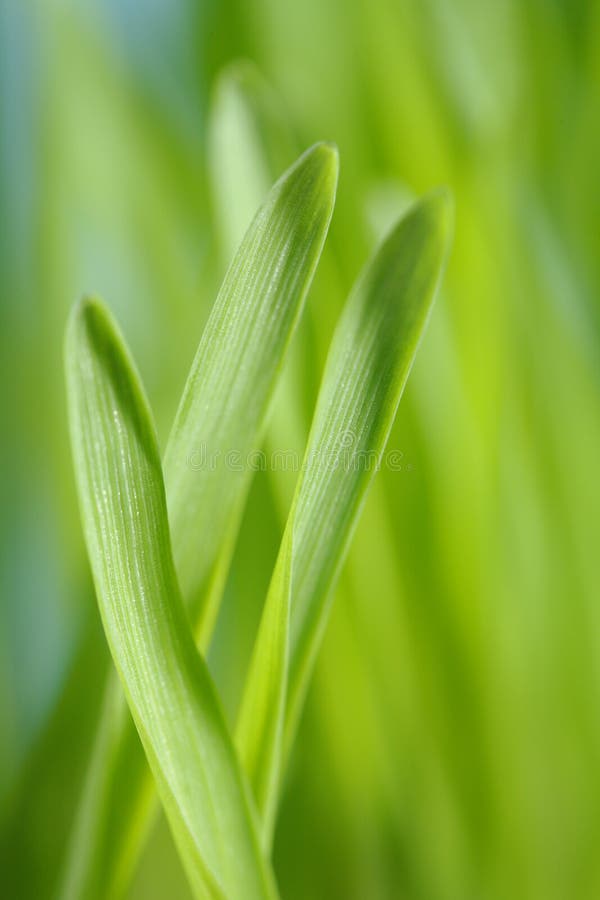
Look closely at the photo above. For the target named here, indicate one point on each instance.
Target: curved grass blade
(224, 403)
(369, 361)
(166, 682)
(247, 112)
(224, 409)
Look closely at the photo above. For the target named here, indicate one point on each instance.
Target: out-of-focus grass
(451, 744)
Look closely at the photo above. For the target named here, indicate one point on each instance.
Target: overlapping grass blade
(222, 413)
(370, 358)
(168, 687)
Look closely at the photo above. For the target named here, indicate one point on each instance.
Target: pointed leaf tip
(437, 209)
(320, 164)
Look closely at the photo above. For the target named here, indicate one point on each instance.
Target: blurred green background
(450, 747)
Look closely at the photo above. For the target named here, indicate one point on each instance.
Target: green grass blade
(224, 408)
(231, 382)
(166, 682)
(369, 361)
(246, 112)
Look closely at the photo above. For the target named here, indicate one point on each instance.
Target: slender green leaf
(223, 412)
(369, 361)
(166, 682)
(246, 112)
